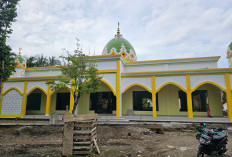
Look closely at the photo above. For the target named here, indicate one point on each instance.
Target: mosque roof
(119, 45)
(20, 60)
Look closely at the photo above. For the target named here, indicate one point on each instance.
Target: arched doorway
(36, 102)
(207, 100)
(137, 100)
(172, 100)
(103, 101)
(60, 99)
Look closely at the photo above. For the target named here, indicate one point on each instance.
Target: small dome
(119, 45)
(229, 51)
(20, 61)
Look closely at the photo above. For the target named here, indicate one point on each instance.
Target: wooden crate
(80, 134)
(83, 136)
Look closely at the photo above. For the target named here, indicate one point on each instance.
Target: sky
(166, 29)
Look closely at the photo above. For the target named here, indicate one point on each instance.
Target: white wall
(19, 85)
(181, 80)
(217, 78)
(164, 67)
(12, 103)
(125, 82)
(103, 65)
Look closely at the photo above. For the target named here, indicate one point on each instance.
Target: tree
(53, 61)
(82, 71)
(7, 61)
(31, 61)
(41, 61)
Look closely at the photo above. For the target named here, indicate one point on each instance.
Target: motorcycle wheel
(222, 151)
(200, 152)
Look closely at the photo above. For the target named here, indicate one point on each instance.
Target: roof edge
(178, 59)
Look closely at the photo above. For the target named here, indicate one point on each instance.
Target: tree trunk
(76, 99)
(0, 90)
(1, 81)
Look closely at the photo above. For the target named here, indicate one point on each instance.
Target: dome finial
(20, 49)
(118, 32)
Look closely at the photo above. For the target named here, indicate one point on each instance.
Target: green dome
(119, 45)
(229, 50)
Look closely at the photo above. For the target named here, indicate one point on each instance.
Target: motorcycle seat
(219, 136)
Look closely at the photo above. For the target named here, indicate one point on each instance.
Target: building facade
(173, 87)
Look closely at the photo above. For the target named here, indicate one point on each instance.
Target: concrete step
(112, 119)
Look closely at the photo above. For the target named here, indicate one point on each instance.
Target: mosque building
(187, 87)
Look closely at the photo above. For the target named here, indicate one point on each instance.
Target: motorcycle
(212, 141)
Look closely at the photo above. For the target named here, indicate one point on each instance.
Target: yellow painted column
(1, 97)
(71, 96)
(189, 97)
(118, 94)
(153, 92)
(48, 102)
(228, 96)
(24, 105)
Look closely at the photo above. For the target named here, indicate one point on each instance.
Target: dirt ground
(114, 141)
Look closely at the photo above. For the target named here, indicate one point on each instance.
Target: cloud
(156, 29)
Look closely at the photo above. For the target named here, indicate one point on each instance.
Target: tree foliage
(82, 70)
(42, 61)
(7, 16)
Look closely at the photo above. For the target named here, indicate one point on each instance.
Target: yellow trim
(36, 77)
(104, 56)
(153, 92)
(99, 71)
(24, 105)
(11, 88)
(227, 81)
(6, 115)
(210, 82)
(171, 71)
(216, 57)
(36, 87)
(189, 97)
(2, 88)
(173, 83)
(43, 67)
(1, 97)
(53, 91)
(118, 94)
(137, 84)
(36, 80)
(22, 73)
(107, 71)
(177, 74)
(228, 96)
(109, 85)
(48, 102)
(72, 89)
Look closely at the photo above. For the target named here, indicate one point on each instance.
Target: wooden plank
(81, 137)
(84, 131)
(96, 145)
(84, 125)
(77, 143)
(81, 147)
